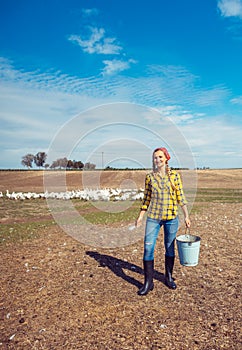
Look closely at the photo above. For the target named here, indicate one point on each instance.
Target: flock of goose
(106, 194)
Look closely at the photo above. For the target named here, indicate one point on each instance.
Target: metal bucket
(188, 249)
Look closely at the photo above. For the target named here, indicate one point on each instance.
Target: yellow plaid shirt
(160, 199)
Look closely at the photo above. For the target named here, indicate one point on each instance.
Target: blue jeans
(152, 230)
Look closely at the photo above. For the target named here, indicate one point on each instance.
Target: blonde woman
(163, 193)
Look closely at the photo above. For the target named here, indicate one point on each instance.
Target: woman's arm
(181, 199)
(145, 202)
(186, 215)
(139, 220)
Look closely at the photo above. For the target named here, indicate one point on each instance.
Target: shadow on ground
(117, 266)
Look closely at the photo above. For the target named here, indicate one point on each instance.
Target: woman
(163, 193)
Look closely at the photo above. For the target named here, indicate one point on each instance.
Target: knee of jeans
(169, 244)
(148, 247)
(148, 251)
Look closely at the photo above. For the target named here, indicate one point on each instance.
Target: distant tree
(78, 164)
(63, 162)
(59, 163)
(69, 164)
(89, 166)
(40, 159)
(27, 160)
(54, 164)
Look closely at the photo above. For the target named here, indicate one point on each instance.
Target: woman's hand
(187, 222)
(139, 220)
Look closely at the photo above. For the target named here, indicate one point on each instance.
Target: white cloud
(211, 96)
(97, 42)
(230, 8)
(155, 88)
(31, 117)
(90, 12)
(215, 141)
(34, 106)
(172, 113)
(237, 100)
(116, 66)
(178, 115)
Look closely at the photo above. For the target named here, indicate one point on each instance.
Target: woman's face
(159, 159)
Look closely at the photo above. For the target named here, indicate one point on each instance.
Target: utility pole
(102, 159)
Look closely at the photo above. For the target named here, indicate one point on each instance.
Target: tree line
(62, 163)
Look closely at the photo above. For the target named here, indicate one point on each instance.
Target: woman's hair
(168, 169)
(164, 150)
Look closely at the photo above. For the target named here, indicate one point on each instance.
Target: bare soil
(57, 293)
(37, 181)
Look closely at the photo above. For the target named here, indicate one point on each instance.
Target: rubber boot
(148, 282)
(169, 263)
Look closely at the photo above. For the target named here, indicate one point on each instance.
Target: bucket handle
(187, 231)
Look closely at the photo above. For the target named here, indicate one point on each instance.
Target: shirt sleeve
(147, 193)
(181, 199)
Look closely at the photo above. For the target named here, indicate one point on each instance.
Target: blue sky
(167, 66)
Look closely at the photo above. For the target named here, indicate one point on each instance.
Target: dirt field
(57, 293)
(34, 180)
